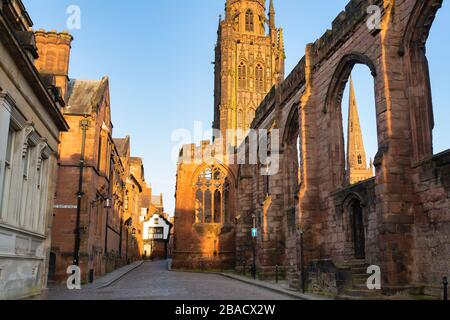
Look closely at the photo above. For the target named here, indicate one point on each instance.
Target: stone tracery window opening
(242, 76)
(211, 196)
(249, 21)
(259, 78)
(240, 119)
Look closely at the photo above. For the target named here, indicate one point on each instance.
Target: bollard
(445, 283)
(276, 273)
(244, 268)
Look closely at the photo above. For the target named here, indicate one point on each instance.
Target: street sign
(254, 232)
(64, 206)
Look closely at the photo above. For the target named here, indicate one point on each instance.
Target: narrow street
(152, 281)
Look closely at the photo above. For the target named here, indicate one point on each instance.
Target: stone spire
(271, 16)
(356, 153)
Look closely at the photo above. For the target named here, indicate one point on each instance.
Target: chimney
(54, 55)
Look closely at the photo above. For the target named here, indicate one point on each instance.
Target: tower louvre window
(249, 21)
(259, 78)
(242, 75)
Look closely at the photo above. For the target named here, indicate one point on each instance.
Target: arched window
(199, 206)
(360, 125)
(250, 116)
(249, 21)
(242, 76)
(211, 188)
(259, 78)
(240, 119)
(437, 48)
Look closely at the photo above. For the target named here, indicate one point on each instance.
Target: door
(359, 237)
(52, 266)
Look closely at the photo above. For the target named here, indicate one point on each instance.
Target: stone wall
(405, 207)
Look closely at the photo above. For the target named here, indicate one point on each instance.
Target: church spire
(271, 15)
(356, 153)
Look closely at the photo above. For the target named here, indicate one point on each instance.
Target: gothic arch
(341, 75)
(229, 174)
(333, 107)
(413, 49)
(287, 127)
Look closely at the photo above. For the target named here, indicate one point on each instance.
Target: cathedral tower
(357, 169)
(249, 61)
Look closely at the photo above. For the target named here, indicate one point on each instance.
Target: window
(360, 160)
(240, 120)
(156, 220)
(242, 76)
(8, 166)
(26, 162)
(250, 117)
(259, 78)
(236, 23)
(209, 197)
(249, 21)
(99, 157)
(40, 173)
(156, 233)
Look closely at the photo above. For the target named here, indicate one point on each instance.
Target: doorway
(359, 237)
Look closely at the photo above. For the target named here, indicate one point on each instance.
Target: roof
(122, 145)
(158, 200)
(84, 95)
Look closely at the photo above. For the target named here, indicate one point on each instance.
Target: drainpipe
(84, 124)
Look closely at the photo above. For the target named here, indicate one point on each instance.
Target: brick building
(30, 124)
(96, 216)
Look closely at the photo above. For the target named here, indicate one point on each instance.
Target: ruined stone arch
(413, 49)
(333, 109)
(215, 163)
(341, 75)
(291, 153)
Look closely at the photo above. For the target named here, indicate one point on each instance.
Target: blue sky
(158, 56)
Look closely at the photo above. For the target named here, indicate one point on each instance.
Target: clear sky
(158, 56)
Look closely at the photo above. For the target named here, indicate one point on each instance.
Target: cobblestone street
(152, 281)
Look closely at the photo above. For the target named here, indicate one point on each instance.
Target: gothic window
(208, 206)
(199, 206)
(249, 21)
(242, 76)
(211, 188)
(360, 160)
(240, 119)
(217, 206)
(236, 23)
(250, 117)
(259, 78)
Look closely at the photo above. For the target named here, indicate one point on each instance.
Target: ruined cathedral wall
(201, 246)
(387, 199)
(432, 221)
